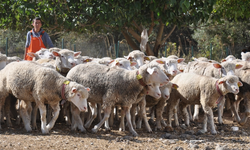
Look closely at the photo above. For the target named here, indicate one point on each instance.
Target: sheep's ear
(217, 65)
(31, 54)
(193, 58)
(146, 58)
(87, 60)
(174, 86)
(240, 84)
(181, 70)
(74, 90)
(221, 82)
(223, 60)
(56, 54)
(238, 66)
(87, 88)
(77, 53)
(151, 70)
(132, 63)
(180, 60)
(210, 61)
(160, 61)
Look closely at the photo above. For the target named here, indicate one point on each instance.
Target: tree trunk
(158, 39)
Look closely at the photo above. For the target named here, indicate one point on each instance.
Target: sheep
(111, 86)
(206, 91)
(137, 56)
(214, 70)
(42, 53)
(159, 104)
(32, 82)
(13, 58)
(104, 61)
(64, 60)
(82, 59)
(228, 58)
(122, 63)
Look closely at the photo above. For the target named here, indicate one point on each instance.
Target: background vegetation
(97, 27)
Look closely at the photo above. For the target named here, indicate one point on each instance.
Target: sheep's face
(136, 56)
(66, 58)
(44, 53)
(156, 75)
(171, 66)
(231, 83)
(79, 97)
(122, 63)
(154, 90)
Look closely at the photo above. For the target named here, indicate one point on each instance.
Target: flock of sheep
(124, 87)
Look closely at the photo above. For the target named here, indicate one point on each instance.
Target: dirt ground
(61, 137)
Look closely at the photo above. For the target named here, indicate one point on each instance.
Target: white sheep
(111, 86)
(204, 90)
(42, 53)
(32, 82)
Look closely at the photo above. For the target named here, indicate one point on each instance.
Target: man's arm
(47, 41)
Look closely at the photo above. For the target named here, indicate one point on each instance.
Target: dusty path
(62, 138)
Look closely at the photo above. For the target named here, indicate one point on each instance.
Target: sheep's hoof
(213, 132)
(134, 134)
(200, 132)
(169, 129)
(45, 131)
(83, 130)
(94, 130)
(107, 129)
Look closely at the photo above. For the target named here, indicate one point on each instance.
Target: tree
(127, 16)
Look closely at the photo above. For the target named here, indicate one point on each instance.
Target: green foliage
(101, 15)
(234, 35)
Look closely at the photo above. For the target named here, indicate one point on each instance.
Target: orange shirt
(36, 43)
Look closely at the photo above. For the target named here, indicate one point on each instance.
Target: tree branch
(129, 40)
(135, 35)
(164, 40)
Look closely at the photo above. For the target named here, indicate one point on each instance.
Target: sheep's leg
(210, 119)
(133, 114)
(111, 118)
(220, 110)
(122, 125)
(196, 112)
(42, 109)
(175, 110)
(128, 117)
(2, 101)
(49, 113)
(107, 111)
(189, 112)
(24, 107)
(34, 115)
(76, 119)
(18, 119)
(99, 109)
(56, 110)
(169, 113)
(159, 111)
(139, 116)
(7, 111)
(93, 108)
(183, 108)
(247, 111)
(66, 112)
(152, 114)
(144, 114)
(117, 113)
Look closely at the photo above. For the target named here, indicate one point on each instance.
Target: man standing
(37, 38)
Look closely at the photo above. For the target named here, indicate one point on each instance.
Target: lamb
(111, 86)
(82, 59)
(32, 82)
(42, 53)
(159, 104)
(137, 56)
(64, 60)
(214, 70)
(122, 63)
(206, 91)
